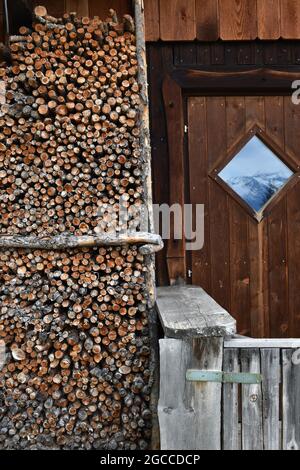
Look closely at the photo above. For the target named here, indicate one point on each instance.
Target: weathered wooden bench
(219, 390)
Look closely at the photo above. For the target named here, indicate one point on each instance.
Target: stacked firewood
(74, 336)
(76, 371)
(69, 139)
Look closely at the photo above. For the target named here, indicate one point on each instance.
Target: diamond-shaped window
(256, 174)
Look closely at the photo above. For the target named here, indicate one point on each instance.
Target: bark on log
(74, 305)
(67, 241)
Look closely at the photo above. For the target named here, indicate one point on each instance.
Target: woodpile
(74, 336)
(68, 129)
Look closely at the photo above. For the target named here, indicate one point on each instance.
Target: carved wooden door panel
(243, 161)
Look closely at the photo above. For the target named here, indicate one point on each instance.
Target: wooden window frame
(235, 149)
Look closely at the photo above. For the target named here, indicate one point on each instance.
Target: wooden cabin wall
(163, 58)
(86, 7)
(178, 32)
(205, 20)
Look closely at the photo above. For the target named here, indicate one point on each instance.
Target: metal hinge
(222, 377)
(186, 128)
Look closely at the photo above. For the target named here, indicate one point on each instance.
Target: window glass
(256, 174)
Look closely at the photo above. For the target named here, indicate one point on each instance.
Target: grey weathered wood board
(187, 311)
(231, 434)
(244, 343)
(270, 369)
(189, 412)
(252, 432)
(291, 401)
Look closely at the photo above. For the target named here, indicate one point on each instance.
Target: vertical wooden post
(231, 435)
(195, 326)
(145, 136)
(270, 369)
(172, 94)
(252, 429)
(258, 287)
(290, 401)
(190, 412)
(148, 222)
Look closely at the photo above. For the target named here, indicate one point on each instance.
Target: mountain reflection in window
(256, 174)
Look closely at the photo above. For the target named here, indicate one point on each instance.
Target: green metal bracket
(193, 375)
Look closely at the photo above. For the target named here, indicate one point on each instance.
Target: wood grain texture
(216, 141)
(257, 238)
(66, 241)
(185, 53)
(238, 225)
(252, 431)
(174, 420)
(189, 413)
(241, 342)
(290, 19)
(249, 270)
(258, 252)
(259, 81)
(152, 28)
(239, 268)
(158, 63)
(219, 242)
(219, 237)
(270, 369)
(231, 435)
(55, 8)
(291, 127)
(191, 312)
(291, 403)
(207, 20)
(255, 111)
(293, 217)
(238, 19)
(270, 113)
(175, 128)
(200, 259)
(80, 6)
(84, 266)
(274, 110)
(235, 119)
(182, 27)
(268, 18)
(208, 355)
(278, 272)
(101, 8)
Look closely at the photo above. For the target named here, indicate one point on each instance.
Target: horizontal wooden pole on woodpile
(66, 241)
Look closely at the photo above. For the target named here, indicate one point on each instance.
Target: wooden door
(250, 267)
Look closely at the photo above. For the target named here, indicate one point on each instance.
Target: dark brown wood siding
(162, 59)
(251, 269)
(206, 20)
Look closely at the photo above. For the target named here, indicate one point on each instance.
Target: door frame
(179, 85)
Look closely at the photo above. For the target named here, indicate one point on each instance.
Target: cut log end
(41, 11)
(74, 333)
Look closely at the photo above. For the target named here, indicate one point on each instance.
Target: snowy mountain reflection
(256, 174)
